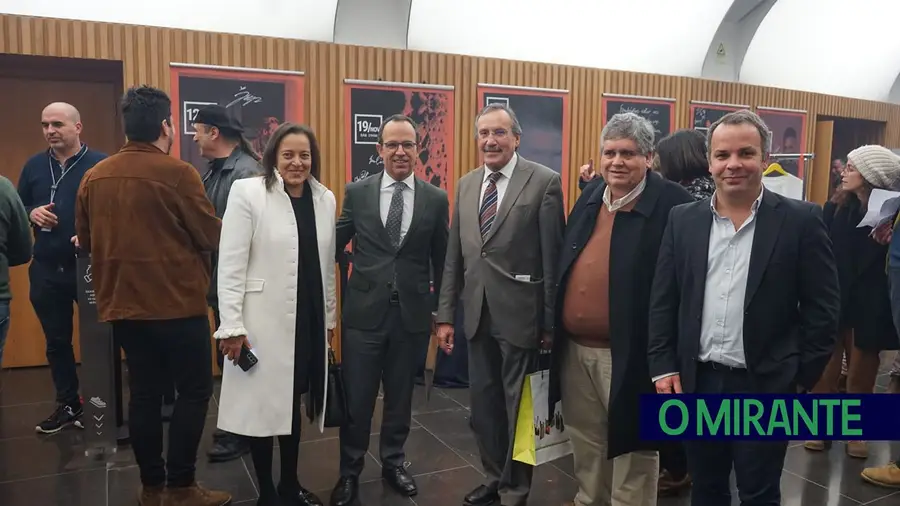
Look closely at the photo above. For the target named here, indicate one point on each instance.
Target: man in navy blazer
(745, 300)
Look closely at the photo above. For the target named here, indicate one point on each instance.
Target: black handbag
(337, 412)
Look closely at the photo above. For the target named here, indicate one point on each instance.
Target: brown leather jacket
(144, 218)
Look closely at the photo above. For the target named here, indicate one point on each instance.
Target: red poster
(368, 103)
(260, 99)
(788, 137)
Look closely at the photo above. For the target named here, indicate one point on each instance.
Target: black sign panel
(98, 358)
(659, 112)
(260, 107)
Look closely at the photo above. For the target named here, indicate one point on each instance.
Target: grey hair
(516, 127)
(628, 125)
(744, 117)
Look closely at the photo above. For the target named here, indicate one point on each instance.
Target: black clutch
(337, 412)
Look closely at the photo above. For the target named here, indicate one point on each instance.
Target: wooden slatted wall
(146, 52)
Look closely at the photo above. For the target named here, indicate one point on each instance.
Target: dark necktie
(489, 205)
(395, 215)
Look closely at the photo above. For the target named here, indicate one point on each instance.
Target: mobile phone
(247, 359)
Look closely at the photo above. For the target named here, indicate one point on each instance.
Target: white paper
(883, 206)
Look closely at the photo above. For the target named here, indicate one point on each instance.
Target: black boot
(230, 447)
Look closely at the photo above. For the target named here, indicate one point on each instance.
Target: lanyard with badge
(62, 173)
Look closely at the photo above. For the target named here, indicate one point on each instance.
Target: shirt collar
(507, 169)
(753, 208)
(617, 204)
(388, 181)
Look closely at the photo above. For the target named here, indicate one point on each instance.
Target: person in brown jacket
(150, 230)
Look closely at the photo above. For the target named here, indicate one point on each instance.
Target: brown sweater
(144, 217)
(586, 303)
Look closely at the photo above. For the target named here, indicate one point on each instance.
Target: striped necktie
(489, 205)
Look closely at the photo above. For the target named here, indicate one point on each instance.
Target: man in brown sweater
(145, 219)
(600, 350)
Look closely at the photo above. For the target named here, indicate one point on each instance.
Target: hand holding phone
(247, 359)
(232, 346)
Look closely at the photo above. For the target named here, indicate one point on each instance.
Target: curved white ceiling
(295, 19)
(827, 46)
(836, 47)
(659, 36)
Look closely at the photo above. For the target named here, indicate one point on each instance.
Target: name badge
(523, 277)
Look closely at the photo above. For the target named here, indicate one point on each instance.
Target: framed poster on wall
(660, 111)
(260, 99)
(544, 117)
(368, 103)
(704, 114)
(788, 127)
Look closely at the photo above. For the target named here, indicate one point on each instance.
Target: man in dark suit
(600, 350)
(400, 225)
(745, 300)
(505, 238)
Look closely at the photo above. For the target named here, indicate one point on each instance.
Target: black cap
(217, 116)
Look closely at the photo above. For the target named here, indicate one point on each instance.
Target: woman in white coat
(277, 298)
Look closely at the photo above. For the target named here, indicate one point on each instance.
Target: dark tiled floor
(53, 470)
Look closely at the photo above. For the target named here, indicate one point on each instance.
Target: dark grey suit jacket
(375, 260)
(514, 268)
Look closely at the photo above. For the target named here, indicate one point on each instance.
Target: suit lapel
(374, 194)
(768, 224)
(419, 205)
(521, 175)
(700, 242)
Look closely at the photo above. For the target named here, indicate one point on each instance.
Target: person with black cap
(220, 137)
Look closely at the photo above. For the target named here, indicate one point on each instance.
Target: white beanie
(877, 165)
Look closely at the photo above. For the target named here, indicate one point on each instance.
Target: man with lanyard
(221, 141)
(48, 186)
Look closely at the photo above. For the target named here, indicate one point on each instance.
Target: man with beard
(400, 226)
(221, 141)
(47, 186)
(145, 220)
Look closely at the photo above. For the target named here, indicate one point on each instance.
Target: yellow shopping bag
(540, 436)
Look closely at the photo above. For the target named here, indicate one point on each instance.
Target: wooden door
(27, 85)
(820, 176)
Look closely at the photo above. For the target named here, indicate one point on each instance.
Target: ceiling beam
(379, 23)
(729, 45)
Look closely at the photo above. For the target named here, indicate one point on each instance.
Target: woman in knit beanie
(867, 326)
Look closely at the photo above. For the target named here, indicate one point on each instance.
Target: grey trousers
(497, 371)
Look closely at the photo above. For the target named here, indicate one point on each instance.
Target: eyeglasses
(407, 146)
(498, 133)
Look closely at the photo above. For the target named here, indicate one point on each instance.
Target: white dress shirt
(502, 183)
(387, 193)
(614, 205)
(728, 264)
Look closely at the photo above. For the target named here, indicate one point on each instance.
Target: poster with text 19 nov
(369, 103)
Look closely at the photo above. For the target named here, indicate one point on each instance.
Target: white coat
(257, 269)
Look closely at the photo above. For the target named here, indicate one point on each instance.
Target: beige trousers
(627, 480)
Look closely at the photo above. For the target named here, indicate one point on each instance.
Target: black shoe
(298, 497)
(400, 480)
(230, 447)
(345, 492)
(219, 434)
(482, 496)
(64, 416)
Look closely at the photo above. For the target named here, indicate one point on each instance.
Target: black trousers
(53, 293)
(370, 358)
(154, 351)
(673, 459)
(757, 464)
(169, 392)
